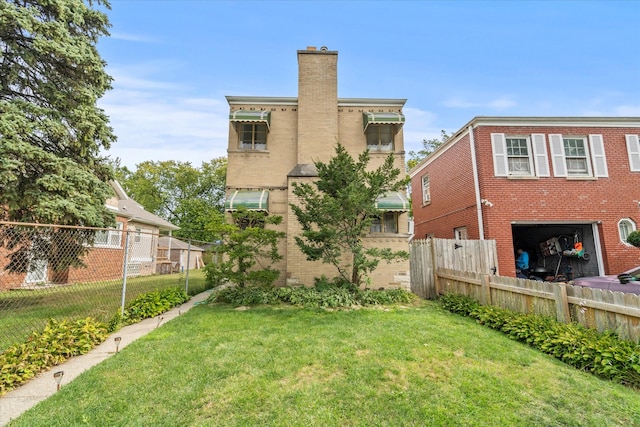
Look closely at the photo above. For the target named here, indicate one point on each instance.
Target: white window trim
(426, 195)
(536, 146)
(594, 153)
(459, 231)
(116, 231)
(632, 225)
(633, 151)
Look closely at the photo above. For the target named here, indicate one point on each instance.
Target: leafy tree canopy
(188, 197)
(337, 210)
(51, 130)
(428, 147)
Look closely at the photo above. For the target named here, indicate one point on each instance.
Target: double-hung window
(253, 136)
(426, 190)
(519, 155)
(380, 137)
(578, 156)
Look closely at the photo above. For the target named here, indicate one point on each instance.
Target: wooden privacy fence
(465, 255)
(594, 308)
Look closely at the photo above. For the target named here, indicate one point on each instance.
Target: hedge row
(331, 297)
(602, 354)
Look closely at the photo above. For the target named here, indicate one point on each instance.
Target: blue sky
(173, 63)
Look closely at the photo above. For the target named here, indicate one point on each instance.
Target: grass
(403, 366)
(25, 311)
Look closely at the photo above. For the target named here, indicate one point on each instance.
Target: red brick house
(104, 261)
(543, 184)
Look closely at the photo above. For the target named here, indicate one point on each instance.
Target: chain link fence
(49, 271)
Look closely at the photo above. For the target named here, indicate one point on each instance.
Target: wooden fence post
(436, 282)
(486, 289)
(562, 303)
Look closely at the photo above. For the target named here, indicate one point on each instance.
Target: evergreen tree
(51, 130)
(337, 210)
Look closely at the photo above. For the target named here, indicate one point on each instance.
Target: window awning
(251, 200)
(382, 119)
(251, 117)
(393, 202)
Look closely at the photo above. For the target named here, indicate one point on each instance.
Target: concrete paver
(17, 401)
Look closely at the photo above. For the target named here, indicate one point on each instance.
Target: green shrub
(323, 296)
(459, 304)
(634, 238)
(58, 341)
(602, 354)
(152, 304)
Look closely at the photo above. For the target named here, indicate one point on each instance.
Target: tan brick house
(525, 181)
(274, 141)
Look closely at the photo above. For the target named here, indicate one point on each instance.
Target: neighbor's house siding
(547, 199)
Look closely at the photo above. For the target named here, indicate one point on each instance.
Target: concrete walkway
(17, 401)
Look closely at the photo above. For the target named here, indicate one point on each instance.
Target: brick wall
(544, 200)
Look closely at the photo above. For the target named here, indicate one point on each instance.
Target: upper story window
(426, 190)
(253, 136)
(633, 151)
(626, 227)
(380, 129)
(109, 238)
(522, 155)
(380, 137)
(252, 127)
(578, 156)
(519, 157)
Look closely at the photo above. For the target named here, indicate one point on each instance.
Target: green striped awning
(251, 116)
(382, 119)
(251, 200)
(393, 202)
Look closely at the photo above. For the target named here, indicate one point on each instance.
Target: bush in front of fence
(58, 341)
(602, 354)
(325, 297)
(149, 304)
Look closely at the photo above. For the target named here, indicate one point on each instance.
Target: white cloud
(500, 103)
(155, 121)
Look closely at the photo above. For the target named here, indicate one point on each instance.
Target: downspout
(476, 184)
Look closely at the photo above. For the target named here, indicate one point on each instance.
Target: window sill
(521, 177)
(238, 150)
(582, 178)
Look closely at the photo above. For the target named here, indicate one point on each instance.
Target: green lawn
(25, 311)
(405, 366)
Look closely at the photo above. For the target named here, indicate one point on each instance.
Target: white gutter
(476, 184)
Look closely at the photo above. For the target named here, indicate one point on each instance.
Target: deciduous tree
(337, 209)
(428, 147)
(188, 197)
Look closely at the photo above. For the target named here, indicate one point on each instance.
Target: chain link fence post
(125, 272)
